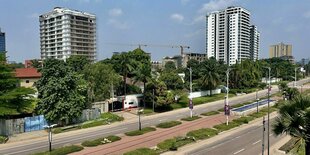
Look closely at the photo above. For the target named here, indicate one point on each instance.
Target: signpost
(191, 106)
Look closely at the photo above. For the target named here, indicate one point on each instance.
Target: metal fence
(34, 123)
(11, 126)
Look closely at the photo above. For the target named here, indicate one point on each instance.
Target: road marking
(238, 136)
(256, 142)
(162, 120)
(239, 151)
(271, 134)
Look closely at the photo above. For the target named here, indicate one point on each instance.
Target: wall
(30, 84)
(203, 93)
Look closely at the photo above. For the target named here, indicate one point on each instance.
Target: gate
(34, 123)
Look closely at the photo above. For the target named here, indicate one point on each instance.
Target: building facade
(2, 41)
(27, 76)
(228, 35)
(280, 50)
(65, 32)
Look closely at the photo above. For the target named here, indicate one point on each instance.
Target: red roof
(27, 73)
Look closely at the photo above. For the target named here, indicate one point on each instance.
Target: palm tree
(125, 63)
(143, 73)
(209, 74)
(294, 119)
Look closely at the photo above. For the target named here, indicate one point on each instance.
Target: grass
(138, 132)
(174, 143)
(168, 124)
(290, 145)
(101, 141)
(111, 117)
(203, 133)
(3, 139)
(210, 113)
(190, 118)
(183, 102)
(147, 111)
(63, 150)
(223, 127)
(142, 151)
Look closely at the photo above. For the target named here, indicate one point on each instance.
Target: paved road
(244, 142)
(74, 137)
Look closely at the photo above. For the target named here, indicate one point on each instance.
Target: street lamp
(191, 90)
(49, 127)
(227, 108)
(140, 111)
(295, 84)
(268, 130)
(257, 99)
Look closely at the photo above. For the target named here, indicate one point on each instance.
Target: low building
(177, 60)
(28, 63)
(182, 60)
(27, 76)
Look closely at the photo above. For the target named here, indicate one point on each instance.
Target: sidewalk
(153, 138)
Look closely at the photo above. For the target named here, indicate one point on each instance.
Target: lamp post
(295, 83)
(191, 90)
(268, 123)
(49, 127)
(139, 113)
(227, 108)
(153, 100)
(257, 99)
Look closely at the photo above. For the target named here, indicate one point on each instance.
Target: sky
(123, 24)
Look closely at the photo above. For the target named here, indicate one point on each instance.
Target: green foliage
(282, 85)
(174, 143)
(162, 97)
(223, 127)
(210, 113)
(101, 141)
(138, 132)
(35, 63)
(168, 124)
(203, 133)
(290, 145)
(78, 62)
(190, 118)
(100, 77)
(209, 73)
(14, 100)
(60, 98)
(3, 139)
(142, 151)
(111, 117)
(172, 80)
(170, 66)
(243, 120)
(63, 150)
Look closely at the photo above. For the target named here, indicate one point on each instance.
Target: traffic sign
(190, 105)
(227, 110)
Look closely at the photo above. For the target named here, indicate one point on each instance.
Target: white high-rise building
(65, 32)
(228, 35)
(254, 43)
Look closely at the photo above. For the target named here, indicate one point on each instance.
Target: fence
(14, 126)
(203, 93)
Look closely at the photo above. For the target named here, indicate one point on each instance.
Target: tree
(14, 100)
(100, 78)
(283, 86)
(78, 62)
(172, 80)
(170, 66)
(59, 93)
(294, 119)
(291, 93)
(143, 73)
(35, 63)
(162, 97)
(210, 77)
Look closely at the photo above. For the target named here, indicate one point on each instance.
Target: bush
(224, 127)
(168, 124)
(63, 150)
(190, 118)
(210, 113)
(110, 117)
(101, 141)
(3, 139)
(142, 151)
(203, 133)
(138, 132)
(56, 130)
(243, 120)
(94, 123)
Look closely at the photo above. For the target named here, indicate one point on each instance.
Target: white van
(131, 101)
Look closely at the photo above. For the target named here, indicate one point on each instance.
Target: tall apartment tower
(254, 43)
(2, 41)
(65, 32)
(228, 35)
(280, 50)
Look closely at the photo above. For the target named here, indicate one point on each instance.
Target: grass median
(168, 124)
(101, 141)
(210, 113)
(203, 133)
(142, 151)
(62, 151)
(138, 132)
(190, 118)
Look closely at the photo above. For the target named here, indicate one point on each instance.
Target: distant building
(2, 41)
(230, 37)
(27, 76)
(65, 32)
(181, 60)
(156, 65)
(177, 60)
(28, 63)
(280, 50)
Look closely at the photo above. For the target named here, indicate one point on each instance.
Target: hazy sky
(121, 23)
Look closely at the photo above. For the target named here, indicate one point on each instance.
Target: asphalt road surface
(244, 142)
(74, 137)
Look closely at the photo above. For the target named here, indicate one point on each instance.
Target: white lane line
(162, 120)
(256, 142)
(215, 146)
(238, 137)
(271, 134)
(239, 151)
(63, 141)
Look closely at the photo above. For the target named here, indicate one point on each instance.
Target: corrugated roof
(27, 73)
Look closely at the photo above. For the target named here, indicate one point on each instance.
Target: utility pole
(295, 77)
(153, 100)
(227, 108)
(191, 90)
(263, 142)
(269, 89)
(112, 96)
(49, 127)
(257, 99)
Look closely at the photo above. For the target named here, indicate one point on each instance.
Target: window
(27, 81)
(130, 103)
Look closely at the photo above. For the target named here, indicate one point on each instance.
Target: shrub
(113, 138)
(168, 124)
(243, 120)
(203, 133)
(110, 117)
(210, 113)
(94, 123)
(56, 130)
(138, 132)
(190, 118)
(142, 151)
(3, 139)
(174, 143)
(63, 150)
(224, 127)
(92, 143)
(101, 141)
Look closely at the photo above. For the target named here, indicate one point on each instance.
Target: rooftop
(27, 73)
